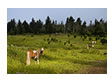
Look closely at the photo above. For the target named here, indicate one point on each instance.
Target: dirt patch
(97, 70)
(100, 67)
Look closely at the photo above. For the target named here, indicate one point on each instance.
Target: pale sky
(59, 14)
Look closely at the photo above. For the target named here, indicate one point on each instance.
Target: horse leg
(38, 61)
(28, 58)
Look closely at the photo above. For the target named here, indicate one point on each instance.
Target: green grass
(59, 58)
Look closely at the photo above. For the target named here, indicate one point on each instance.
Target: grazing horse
(90, 46)
(34, 54)
(93, 42)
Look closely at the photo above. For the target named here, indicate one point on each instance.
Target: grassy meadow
(64, 55)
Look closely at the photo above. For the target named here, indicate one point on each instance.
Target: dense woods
(72, 26)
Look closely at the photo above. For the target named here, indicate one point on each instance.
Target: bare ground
(100, 67)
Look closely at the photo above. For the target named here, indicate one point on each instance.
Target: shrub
(70, 44)
(24, 39)
(60, 41)
(49, 42)
(85, 37)
(90, 38)
(105, 53)
(88, 33)
(64, 43)
(68, 35)
(74, 36)
(44, 39)
(103, 41)
(69, 41)
(52, 39)
(102, 34)
(32, 35)
(49, 35)
(96, 38)
(48, 39)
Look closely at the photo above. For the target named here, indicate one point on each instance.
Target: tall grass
(58, 59)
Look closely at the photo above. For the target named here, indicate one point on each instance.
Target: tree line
(71, 26)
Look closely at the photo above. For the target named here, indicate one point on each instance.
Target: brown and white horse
(90, 46)
(93, 42)
(34, 54)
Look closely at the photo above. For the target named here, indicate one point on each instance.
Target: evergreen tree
(78, 25)
(11, 27)
(67, 30)
(54, 27)
(71, 24)
(98, 28)
(83, 28)
(20, 29)
(48, 25)
(39, 26)
(33, 26)
(26, 27)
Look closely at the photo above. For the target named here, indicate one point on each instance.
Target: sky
(59, 14)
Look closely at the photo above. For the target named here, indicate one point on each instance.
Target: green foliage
(71, 58)
(26, 27)
(90, 38)
(83, 39)
(68, 35)
(103, 41)
(48, 25)
(11, 27)
(20, 29)
(70, 24)
(85, 36)
(83, 28)
(71, 27)
(75, 36)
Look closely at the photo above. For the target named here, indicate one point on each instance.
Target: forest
(72, 26)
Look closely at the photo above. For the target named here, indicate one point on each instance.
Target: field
(71, 58)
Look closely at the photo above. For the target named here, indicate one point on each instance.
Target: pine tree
(11, 27)
(33, 26)
(20, 29)
(26, 27)
(48, 25)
